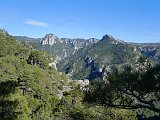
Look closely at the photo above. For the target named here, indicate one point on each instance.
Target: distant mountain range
(93, 58)
(61, 47)
(100, 59)
(151, 50)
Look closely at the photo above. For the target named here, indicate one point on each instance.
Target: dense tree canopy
(128, 90)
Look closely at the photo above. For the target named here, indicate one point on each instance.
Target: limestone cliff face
(64, 47)
(151, 51)
(49, 39)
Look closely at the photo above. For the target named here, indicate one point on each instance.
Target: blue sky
(129, 20)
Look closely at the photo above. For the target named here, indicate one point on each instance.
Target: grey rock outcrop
(49, 39)
(64, 47)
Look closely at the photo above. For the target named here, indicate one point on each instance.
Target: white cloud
(35, 23)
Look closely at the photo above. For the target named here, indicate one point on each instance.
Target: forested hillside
(30, 89)
(100, 59)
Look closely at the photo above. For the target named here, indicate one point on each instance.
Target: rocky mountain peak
(107, 37)
(92, 40)
(49, 39)
(110, 39)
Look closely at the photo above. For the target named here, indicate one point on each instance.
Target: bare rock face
(49, 39)
(83, 84)
(111, 40)
(64, 47)
(107, 37)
